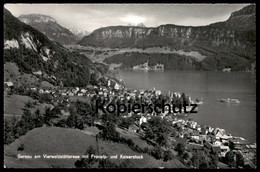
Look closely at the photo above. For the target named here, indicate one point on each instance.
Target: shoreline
(248, 100)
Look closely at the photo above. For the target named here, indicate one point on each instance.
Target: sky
(93, 16)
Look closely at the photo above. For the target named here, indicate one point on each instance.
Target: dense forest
(64, 67)
(180, 62)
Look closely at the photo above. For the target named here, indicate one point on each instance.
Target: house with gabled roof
(9, 84)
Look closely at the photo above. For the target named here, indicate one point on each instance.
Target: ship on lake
(229, 100)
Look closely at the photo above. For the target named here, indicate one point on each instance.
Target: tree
(8, 137)
(90, 150)
(174, 132)
(14, 122)
(28, 104)
(61, 123)
(213, 160)
(130, 143)
(71, 120)
(93, 78)
(46, 97)
(158, 130)
(149, 133)
(27, 121)
(195, 160)
(239, 160)
(21, 147)
(110, 133)
(106, 163)
(230, 158)
(83, 108)
(162, 139)
(185, 155)
(167, 155)
(38, 118)
(111, 118)
(86, 162)
(180, 148)
(203, 165)
(79, 122)
(83, 163)
(56, 112)
(48, 116)
(231, 145)
(126, 122)
(89, 120)
(157, 152)
(184, 98)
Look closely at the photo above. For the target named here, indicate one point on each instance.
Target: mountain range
(79, 33)
(35, 54)
(231, 42)
(231, 32)
(49, 26)
(228, 44)
(138, 25)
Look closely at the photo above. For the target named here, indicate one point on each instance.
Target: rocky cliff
(49, 26)
(35, 54)
(234, 37)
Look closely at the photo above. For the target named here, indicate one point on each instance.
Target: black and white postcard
(129, 85)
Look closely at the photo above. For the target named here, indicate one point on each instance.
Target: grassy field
(55, 140)
(11, 69)
(48, 140)
(14, 104)
(135, 137)
(107, 52)
(11, 73)
(91, 131)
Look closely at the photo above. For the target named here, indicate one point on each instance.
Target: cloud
(133, 19)
(195, 21)
(93, 16)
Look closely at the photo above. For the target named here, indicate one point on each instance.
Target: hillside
(14, 105)
(170, 61)
(54, 140)
(177, 62)
(233, 39)
(79, 33)
(34, 53)
(49, 26)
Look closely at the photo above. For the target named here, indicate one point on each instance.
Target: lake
(237, 119)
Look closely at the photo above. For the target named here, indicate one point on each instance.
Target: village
(190, 133)
(145, 66)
